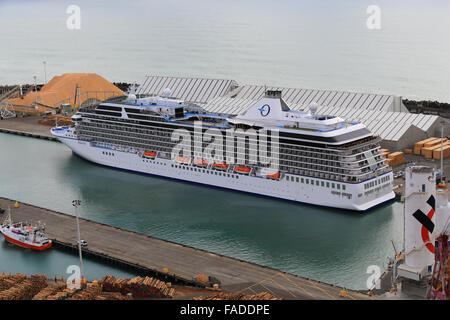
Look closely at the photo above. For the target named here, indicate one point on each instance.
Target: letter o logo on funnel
(265, 110)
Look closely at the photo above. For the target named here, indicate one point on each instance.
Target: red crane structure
(440, 281)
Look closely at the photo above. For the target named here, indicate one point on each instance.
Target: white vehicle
(83, 243)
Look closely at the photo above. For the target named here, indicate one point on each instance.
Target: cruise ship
(269, 150)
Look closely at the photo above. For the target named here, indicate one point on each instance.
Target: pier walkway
(181, 263)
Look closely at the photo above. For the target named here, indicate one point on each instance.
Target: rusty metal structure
(440, 281)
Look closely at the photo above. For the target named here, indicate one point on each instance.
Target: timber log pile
(24, 289)
(238, 296)
(112, 296)
(8, 281)
(88, 293)
(51, 120)
(50, 290)
(138, 287)
(38, 287)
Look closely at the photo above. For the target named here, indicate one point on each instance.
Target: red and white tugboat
(25, 234)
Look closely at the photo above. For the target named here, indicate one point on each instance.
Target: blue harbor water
(317, 44)
(324, 244)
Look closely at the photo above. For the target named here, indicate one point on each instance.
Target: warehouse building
(385, 115)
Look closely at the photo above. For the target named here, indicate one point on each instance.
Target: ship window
(307, 181)
(317, 182)
(296, 179)
(332, 185)
(322, 184)
(338, 186)
(328, 184)
(302, 180)
(423, 188)
(343, 187)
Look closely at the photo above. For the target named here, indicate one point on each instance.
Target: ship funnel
(274, 94)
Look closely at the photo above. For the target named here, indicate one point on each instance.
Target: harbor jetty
(175, 263)
(27, 126)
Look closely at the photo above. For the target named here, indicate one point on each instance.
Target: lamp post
(35, 91)
(45, 71)
(77, 203)
(442, 150)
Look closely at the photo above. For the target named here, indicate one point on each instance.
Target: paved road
(185, 262)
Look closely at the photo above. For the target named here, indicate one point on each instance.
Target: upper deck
(269, 113)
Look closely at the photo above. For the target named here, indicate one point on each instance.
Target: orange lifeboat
(149, 154)
(275, 176)
(183, 160)
(220, 165)
(200, 162)
(242, 169)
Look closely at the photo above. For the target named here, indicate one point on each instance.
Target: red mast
(440, 282)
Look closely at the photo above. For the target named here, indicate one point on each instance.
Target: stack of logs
(22, 288)
(49, 292)
(38, 287)
(62, 120)
(138, 287)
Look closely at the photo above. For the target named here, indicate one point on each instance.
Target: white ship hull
(355, 197)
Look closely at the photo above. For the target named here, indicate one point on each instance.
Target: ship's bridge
(272, 110)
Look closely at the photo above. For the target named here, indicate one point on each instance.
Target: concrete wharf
(174, 262)
(27, 126)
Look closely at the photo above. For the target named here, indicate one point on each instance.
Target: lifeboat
(200, 162)
(242, 169)
(220, 165)
(149, 154)
(274, 176)
(183, 160)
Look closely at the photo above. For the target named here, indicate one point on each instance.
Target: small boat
(149, 154)
(25, 234)
(201, 162)
(274, 176)
(183, 160)
(242, 169)
(220, 165)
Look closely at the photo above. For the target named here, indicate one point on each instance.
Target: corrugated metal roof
(340, 99)
(199, 90)
(386, 124)
(380, 113)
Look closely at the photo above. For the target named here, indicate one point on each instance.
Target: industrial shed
(198, 90)
(342, 99)
(398, 130)
(384, 115)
